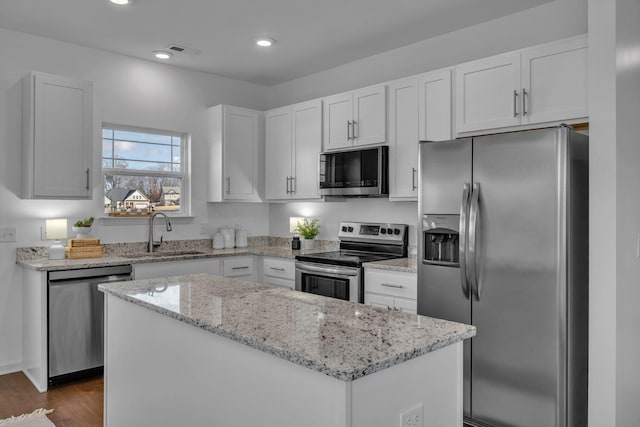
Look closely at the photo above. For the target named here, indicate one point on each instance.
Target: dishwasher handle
(85, 273)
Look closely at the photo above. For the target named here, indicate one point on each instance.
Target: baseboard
(10, 368)
(34, 382)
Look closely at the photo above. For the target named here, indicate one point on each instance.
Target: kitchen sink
(162, 254)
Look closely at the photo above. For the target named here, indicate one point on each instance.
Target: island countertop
(337, 338)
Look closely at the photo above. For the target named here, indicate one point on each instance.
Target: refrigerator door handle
(473, 239)
(462, 248)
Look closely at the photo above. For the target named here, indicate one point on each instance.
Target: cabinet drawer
(240, 266)
(276, 281)
(282, 268)
(394, 283)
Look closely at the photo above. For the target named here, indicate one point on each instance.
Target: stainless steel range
(339, 274)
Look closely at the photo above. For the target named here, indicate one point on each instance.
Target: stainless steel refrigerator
(503, 246)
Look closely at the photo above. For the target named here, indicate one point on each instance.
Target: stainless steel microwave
(355, 173)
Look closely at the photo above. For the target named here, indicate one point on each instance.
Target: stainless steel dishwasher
(76, 321)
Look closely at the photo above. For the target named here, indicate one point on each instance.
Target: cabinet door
(240, 154)
(307, 144)
(435, 106)
(378, 300)
(370, 115)
(278, 153)
(554, 81)
(176, 268)
(59, 141)
(487, 93)
(337, 113)
(403, 140)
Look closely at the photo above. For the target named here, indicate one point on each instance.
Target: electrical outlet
(204, 228)
(412, 417)
(7, 234)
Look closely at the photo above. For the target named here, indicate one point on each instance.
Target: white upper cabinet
(293, 143)
(235, 153)
(543, 84)
(403, 139)
(554, 81)
(57, 137)
(419, 109)
(435, 106)
(487, 93)
(355, 118)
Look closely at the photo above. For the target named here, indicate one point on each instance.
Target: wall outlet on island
(412, 417)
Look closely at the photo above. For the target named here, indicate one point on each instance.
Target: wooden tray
(84, 252)
(91, 241)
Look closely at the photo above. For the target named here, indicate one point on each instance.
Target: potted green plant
(82, 227)
(308, 230)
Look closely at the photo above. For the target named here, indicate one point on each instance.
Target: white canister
(218, 241)
(241, 238)
(229, 237)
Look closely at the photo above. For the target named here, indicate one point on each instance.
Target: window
(143, 170)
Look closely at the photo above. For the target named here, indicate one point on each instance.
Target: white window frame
(184, 175)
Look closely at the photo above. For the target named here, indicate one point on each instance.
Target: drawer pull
(277, 268)
(240, 268)
(392, 285)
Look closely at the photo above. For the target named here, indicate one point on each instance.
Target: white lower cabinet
(176, 268)
(395, 290)
(240, 267)
(279, 272)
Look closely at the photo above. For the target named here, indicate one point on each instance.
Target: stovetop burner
(364, 242)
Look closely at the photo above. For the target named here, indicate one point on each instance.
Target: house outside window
(144, 170)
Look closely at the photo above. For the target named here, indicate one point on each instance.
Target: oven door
(334, 281)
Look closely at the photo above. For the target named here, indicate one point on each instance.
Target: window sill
(132, 220)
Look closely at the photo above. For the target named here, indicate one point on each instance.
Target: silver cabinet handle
(462, 249)
(288, 191)
(473, 240)
(87, 172)
(277, 268)
(413, 178)
(349, 130)
(353, 131)
(524, 102)
(515, 103)
(244, 267)
(228, 184)
(392, 285)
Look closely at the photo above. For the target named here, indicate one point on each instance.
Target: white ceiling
(311, 35)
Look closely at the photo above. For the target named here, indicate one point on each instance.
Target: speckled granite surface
(337, 338)
(407, 265)
(35, 258)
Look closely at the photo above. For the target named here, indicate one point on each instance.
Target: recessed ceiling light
(264, 42)
(120, 2)
(161, 54)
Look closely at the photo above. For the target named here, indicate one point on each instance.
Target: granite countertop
(337, 338)
(136, 253)
(408, 265)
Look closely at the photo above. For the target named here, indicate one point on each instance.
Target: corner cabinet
(355, 118)
(419, 109)
(57, 137)
(542, 84)
(293, 141)
(235, 151)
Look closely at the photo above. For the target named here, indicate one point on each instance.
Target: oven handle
(327, 270)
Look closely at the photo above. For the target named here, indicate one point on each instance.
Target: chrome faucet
(153, 244)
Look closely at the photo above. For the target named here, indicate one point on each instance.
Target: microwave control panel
(381, 232)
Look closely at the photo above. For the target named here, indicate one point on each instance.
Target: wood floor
(75, 404)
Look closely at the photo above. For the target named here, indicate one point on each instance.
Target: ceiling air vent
(182, 49)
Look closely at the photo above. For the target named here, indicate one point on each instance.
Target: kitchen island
(208, 350)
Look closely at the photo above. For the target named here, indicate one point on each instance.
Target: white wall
(552, 21)
(126, 91)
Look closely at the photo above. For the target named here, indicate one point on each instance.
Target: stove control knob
(396, 231)
(383, 231)
(389, 231)
(344, 228)
(350, 229)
